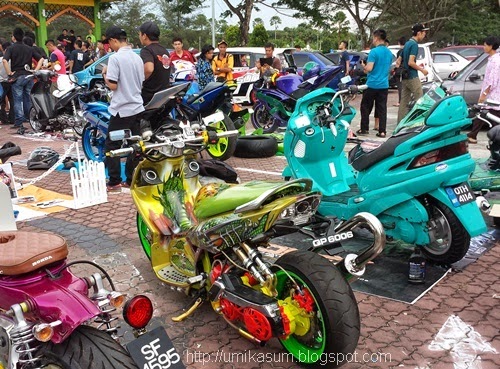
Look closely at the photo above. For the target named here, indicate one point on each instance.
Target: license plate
(460, 194)
(155, 350)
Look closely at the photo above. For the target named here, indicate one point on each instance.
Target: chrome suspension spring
(105, 319)
(25, 345)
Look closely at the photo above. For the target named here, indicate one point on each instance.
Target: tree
(257, 21)
(232, 35)
(275, 21)
(259, 36)
(243, 11)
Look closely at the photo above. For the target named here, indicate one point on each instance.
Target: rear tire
(255, 146)
(452, 239)
(337, 316)
(87, 348)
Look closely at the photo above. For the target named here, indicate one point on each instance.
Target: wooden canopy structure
(38, 14)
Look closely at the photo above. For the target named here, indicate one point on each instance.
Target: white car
(446, 62)
(424, 59)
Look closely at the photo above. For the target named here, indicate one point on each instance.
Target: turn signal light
(43, 332)
(138, 311)
(116, 299)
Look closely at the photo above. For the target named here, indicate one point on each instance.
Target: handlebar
(142, 146)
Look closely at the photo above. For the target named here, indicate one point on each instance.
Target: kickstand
(195, 304)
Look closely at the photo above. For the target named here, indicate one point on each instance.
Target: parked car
(424, 59)
(469, 80)
(447, 62)
(300, 58)
(246, 75)
(469, 52)
(355, 62)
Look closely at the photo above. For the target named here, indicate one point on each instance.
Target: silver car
(469, 80)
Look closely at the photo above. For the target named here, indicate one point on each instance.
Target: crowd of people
(135, 78)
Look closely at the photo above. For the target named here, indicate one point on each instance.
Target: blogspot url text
(326, 359)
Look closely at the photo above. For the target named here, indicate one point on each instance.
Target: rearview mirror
(120, 135)
(474, 77)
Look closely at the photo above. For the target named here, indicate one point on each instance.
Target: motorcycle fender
(468, 214)
(213, 118)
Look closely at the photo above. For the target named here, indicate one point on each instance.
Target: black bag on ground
(218, 169)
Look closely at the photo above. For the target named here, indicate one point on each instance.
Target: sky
(265, 14)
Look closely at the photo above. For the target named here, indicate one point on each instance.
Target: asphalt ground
(453, 326)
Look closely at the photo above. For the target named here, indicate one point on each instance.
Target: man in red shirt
(179, 53)
(56, 57)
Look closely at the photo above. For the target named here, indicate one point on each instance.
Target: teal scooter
(416, 182)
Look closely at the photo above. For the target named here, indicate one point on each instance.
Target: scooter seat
(361, 160)
(211, 86)
(23, 252)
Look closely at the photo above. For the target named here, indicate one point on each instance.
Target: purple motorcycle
(49, 317)
(277, 94)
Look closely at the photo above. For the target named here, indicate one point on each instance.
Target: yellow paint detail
(300, 320)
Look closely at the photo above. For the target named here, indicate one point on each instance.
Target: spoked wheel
(224, 148)
(334, 323)
(34, 121)
(86, 348)
(261, 118)
(145, 235)
(451, 240)
(93, 143)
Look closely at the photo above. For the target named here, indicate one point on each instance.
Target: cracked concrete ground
(399, 335)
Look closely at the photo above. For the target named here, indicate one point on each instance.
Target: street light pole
(213, 23)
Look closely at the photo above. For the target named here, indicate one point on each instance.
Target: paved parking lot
(454, 326)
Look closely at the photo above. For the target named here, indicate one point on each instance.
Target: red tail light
(442, 154)
(138, 311)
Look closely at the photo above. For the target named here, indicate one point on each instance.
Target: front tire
(86, 348)
(35, 121)
(93, 144)
(262, 119)
(452, 240)
(336, 315)
(224, 148)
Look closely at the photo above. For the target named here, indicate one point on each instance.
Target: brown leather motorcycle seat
(23, 252)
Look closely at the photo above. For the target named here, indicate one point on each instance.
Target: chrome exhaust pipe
(483, 204)
(353, 266)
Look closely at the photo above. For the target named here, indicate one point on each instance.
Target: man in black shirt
(78, 58)
(38, 49)
(156, 61)
(70, 41)
(19, 55)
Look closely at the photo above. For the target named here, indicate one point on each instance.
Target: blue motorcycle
(184, 105)
(416, 182)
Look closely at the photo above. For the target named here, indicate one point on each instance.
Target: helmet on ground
(311, 69)
(42, 158)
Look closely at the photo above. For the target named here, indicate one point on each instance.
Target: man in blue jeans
(20, 55)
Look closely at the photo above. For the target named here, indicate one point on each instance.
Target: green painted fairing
(232, 197)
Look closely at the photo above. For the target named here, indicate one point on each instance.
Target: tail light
(43, 332)
(442, 154)
(138, 312)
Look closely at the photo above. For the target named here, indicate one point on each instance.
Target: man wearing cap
(410, 84)
(124, 75)
(156, 61)
(223, 64)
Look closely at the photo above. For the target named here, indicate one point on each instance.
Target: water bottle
(416, 267)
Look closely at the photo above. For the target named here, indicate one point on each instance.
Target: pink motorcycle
(51, 318)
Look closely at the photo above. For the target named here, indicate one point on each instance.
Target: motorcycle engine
(6, 326)
(71, 120)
